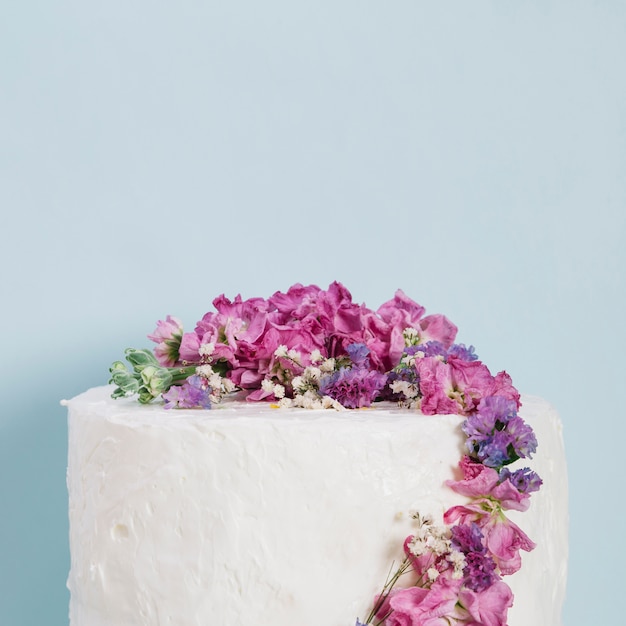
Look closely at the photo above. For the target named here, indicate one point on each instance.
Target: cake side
(539, 587)
(252, 515)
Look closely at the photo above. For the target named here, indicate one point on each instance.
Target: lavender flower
(497, 408)
(524, 480)
(523, 438)
(429, 348)
(354, 387)
(496, 435)
(494, 450)
(437, 348)
(478, 428)
(479, 571)
(359, 354)
(460, 351)
(194, 392)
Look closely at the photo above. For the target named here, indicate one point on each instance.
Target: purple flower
(496, 435)
(479, 571)
(523, 438)
(497, 408)
(430, 348)
(358, 353)
(524, 480)
(494, 450)
(459, 351)
(194, 392)
(354, 387)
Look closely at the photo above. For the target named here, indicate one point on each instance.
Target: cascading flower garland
(315, 348)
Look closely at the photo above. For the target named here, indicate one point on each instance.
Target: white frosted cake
(262, 513)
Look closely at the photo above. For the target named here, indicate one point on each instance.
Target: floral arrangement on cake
(315, 348)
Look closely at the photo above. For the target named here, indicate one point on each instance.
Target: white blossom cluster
(435, 540)
(305, 386)
(206, 350)
(409, 390)
(411, 336)
(220, 386)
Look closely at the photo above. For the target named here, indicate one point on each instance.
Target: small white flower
(206, 371)
(408, 360)
(457, 558)
(417, 548)
(229, 385)
(267, 386)
(294, 355)
(432, 573)
(327, 402)
(313, 373)
(297, 382)
(279, 391)
(328, 365)
(411, 336)
(316, 356)
(206, 349)
(215, 381)
(438, 546)
(404, 387)
(281, 351)
(285, 403)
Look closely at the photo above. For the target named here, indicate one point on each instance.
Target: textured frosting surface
(251, 516)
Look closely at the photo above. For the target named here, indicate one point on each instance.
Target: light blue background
(156, 154)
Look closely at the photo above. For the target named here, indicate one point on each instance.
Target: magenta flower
(437, 328)
(488, 607)
(297, 303)
(436, 386)
(482, 482)
(417, 606)
(167, 335)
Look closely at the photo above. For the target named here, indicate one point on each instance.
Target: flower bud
(140, 359)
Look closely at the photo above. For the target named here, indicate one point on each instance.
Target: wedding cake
(306, 460)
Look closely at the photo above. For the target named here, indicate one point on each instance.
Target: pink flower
(399, 313)
(437, 387)
(488, 607)
(502, 385)
(480, 482)
(489, 498)
(502, 537)
(437, 328)
(167, 329)
(167, 335)
(298, 303)
(417, 606)
(458, 386)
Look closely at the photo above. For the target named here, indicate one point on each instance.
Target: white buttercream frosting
(247, 515)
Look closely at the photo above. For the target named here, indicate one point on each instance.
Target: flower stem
(404, 567)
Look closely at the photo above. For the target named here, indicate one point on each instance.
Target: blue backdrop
(155, 154)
